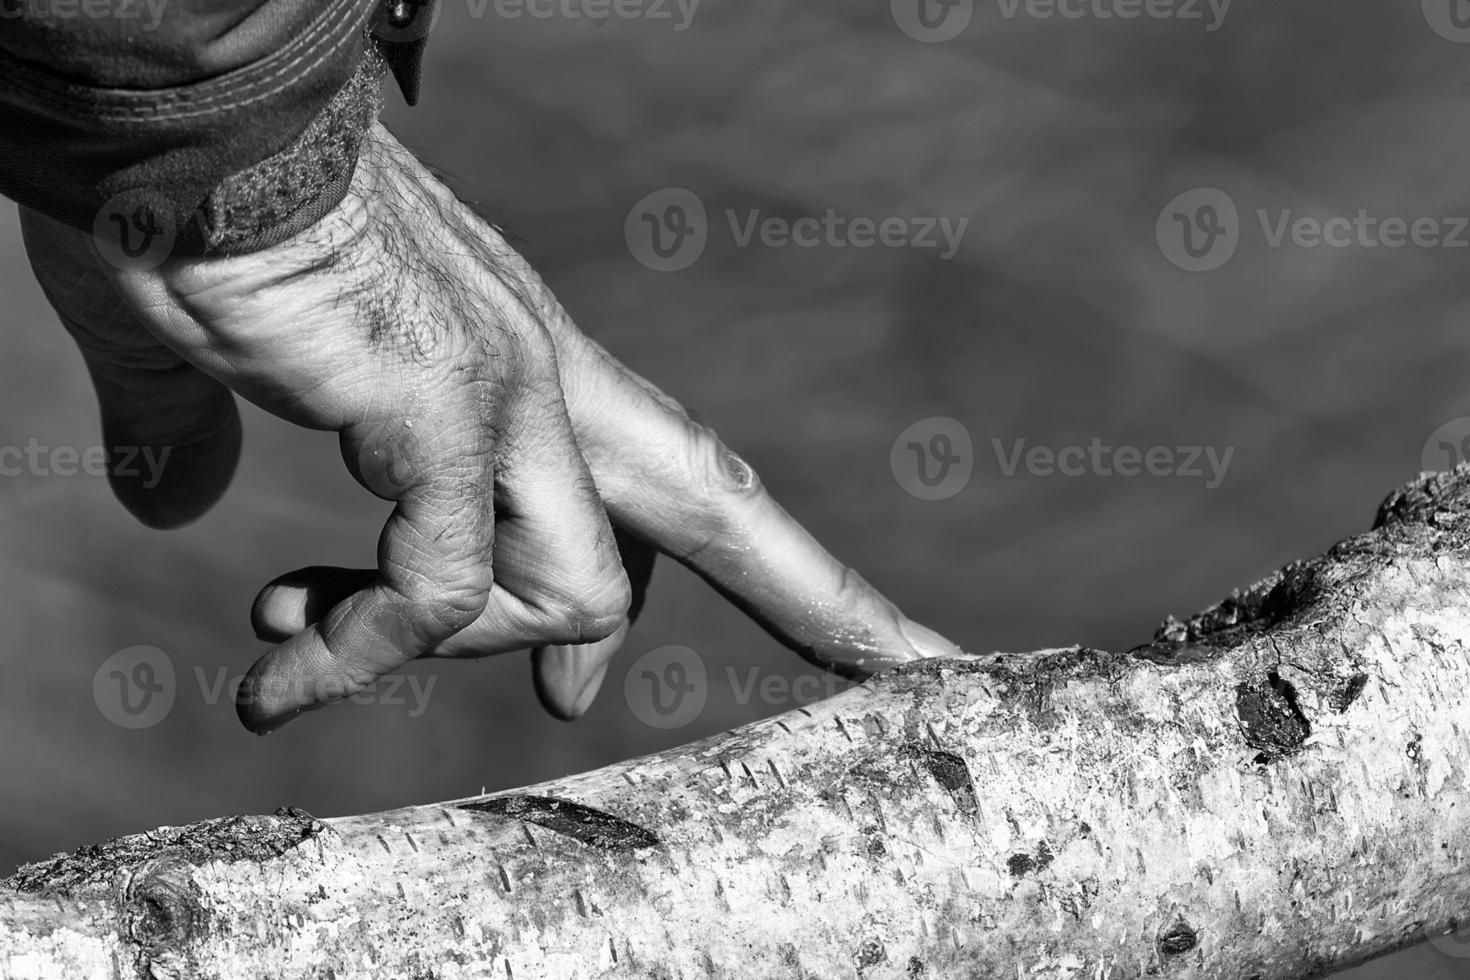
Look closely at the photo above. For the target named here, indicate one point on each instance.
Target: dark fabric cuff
(269, 201)
(228, 135)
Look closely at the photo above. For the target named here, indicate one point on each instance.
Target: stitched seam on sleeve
(236, 94)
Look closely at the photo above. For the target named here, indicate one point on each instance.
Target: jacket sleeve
(222, 126)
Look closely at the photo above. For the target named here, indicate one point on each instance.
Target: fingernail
(261, 703)
(261, 722)
(275, 597)
(263, 601)
(569, 677)
(926, 642)
(589, 692)
(554, 671)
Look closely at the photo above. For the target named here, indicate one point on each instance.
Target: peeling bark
(1274, 789)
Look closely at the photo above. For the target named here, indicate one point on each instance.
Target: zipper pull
(401, 28)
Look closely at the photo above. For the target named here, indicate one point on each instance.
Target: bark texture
(1274, 789)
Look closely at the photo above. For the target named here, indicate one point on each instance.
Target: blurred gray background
(1327, 370)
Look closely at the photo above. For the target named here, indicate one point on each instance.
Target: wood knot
(871, 953)
(1178, 939)
(1271, 718)
(595, 828)
(162, 904)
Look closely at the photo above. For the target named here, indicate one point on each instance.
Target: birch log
(1274, 789)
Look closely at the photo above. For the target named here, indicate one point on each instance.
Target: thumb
(172, 436)
(568, 677)
(171, 432)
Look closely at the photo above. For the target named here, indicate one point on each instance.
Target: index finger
(434, 578)
(673, 483)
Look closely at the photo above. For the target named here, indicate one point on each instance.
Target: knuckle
(720, 474)
(722, 490)
(852, 589)
(437, 609)
(589, 614)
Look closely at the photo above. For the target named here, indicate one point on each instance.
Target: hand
(533, 475)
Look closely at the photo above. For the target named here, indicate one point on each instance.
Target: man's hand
(533, 475)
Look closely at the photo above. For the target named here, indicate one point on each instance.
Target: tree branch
(1275, 789)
